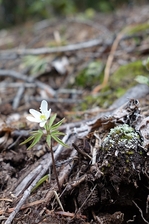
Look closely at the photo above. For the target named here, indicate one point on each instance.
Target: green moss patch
(119, 82)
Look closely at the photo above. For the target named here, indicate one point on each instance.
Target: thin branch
(18, 97)
(25, 78)
(23, 199)
(38, 51)
(16, 85)
(90, 23)
(27, 179)
(58, 200)
(140, 212)
(16, 75)
(87, 198)
(56, 100)
(109, 62)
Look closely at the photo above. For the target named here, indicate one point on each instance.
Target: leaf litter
(103, 173)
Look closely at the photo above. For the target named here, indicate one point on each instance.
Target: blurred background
(15, 11)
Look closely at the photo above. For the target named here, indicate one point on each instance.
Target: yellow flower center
(42, 117)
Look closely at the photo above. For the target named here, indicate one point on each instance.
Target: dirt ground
(104, 172)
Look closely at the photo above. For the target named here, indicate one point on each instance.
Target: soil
(103, 173)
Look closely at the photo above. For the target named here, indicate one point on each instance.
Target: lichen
(121, 153)
(122, 137)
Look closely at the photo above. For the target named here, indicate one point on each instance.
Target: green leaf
(59, 141)
(52, 119)
(57, 133)
(37, 64)
(48, 140)
(57, 125)
(44, 178)
(33, 135)
(37, 138)
(36, 132)
(27, 140)
(142, 79)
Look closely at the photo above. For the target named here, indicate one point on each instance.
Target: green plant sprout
(51, 131)
(142, 79)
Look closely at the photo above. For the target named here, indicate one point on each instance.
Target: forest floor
(104, 171)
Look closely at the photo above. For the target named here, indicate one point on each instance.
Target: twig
(109, 63)
(25, 78)
(96, 218)
(28, 179)
(18, 97)
(95, 148)
(147, 204)
(16, 85)
(44, 24)
(44, 168)
(75, 183)
(25, 196)
(71, 47)
(132, 220)
(56, 100)
(16, 75)
(68, 91)
(81, 151)
(140, 212)
(68, 214)
(87, 198)
(91, 23)
(9, 210)
(47, 88)
(57, 198)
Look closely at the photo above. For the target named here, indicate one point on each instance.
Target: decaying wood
(141, 90)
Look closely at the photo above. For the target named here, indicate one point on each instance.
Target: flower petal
(47, 114)
(44, 107)
(32, 119)
(35, 113)
(42, 123)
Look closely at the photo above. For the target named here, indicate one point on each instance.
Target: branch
(25, 78)
(45, 50)
(109, 63)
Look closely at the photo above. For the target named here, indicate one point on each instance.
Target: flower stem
(54, 167)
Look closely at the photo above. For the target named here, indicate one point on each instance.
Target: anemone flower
(40, 117)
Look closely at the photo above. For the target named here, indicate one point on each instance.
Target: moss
(96, 100)
(125, 75)
(122, 136)
(122, 80)
(121, 149)
(130, 152)
(90, 75)
(136, 28)
(119, 82)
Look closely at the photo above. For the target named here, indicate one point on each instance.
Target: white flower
(40, 117)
